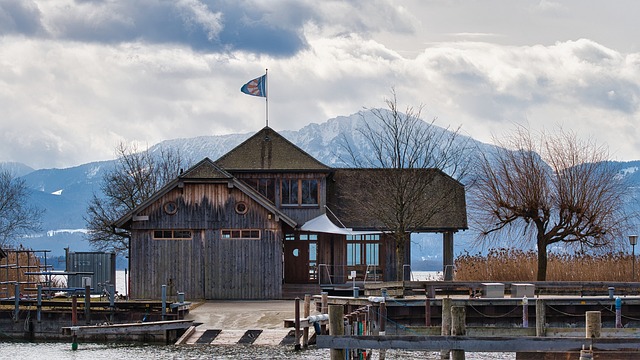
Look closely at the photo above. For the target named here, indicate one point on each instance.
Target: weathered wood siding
(165, 262)
(207, 266)
(243, 269)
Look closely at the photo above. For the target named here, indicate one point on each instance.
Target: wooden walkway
(131, 328)
(233, 336)
(479, 344)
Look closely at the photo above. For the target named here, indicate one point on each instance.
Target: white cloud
(67, 100)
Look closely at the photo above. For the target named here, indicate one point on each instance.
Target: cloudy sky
(79, 76)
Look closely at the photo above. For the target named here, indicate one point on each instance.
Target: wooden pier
(166, 331)
(40, 319)
(465, 317)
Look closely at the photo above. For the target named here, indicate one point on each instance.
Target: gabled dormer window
(299, 192)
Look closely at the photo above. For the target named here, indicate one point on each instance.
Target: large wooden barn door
(300, 258)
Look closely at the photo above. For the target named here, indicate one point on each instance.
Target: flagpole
(266, 98)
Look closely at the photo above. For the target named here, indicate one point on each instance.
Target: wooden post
(383, 318)
(525, 312)
(39, 306)
(305, 313)
(336, 328)
(446, 324)
(374, 324)
(87, 304)
(382, 321)
(16, 300)
(74, 321)
(540, 318)
(447, 255)
(112, 302)
(427, 312)
(297, 324)
(593, 324)
(164, 302)
(74, 310)
(324, 309)
(458, 328)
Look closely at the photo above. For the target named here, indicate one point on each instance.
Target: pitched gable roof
(347, 184)
(206, 171)
(268, 150)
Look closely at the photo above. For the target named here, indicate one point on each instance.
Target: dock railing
(472, 288)
(340, 274)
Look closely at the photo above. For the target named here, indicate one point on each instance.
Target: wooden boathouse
(269, 221)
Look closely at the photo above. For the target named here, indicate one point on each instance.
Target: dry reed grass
(518, 265)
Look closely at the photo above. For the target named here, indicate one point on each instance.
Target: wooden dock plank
(228, 337)
(131, 328)
(477, 344)
(271, 337)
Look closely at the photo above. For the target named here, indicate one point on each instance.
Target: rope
(389, 321)
(564, 313)
(610, 309)
(494, 316)
(406, 303)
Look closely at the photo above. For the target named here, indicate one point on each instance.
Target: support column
(336, 328)
(445, 329)
(458, 328)
(447, 255)
(540, 318)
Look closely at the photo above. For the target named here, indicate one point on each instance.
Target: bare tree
(548, 189)
(17, 216)
(403, 146)
(136, 176)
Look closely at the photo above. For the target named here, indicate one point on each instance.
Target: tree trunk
(400, 251)
(542, 260)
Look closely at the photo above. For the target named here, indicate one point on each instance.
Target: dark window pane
(182, 234)
(290, 191)
(267, 189)
(309, 191)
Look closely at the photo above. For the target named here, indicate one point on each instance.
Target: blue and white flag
(256, 87)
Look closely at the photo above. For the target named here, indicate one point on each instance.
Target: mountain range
(65, 193)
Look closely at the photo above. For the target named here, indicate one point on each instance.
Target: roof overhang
(322, 224)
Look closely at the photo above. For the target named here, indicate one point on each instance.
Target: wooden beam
(117, 329)
(476, 344)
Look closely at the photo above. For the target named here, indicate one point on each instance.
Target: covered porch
(336, 259)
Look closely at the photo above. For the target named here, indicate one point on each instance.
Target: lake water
(54, 351)
(93, 351)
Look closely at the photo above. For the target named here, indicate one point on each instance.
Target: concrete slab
(243, 314)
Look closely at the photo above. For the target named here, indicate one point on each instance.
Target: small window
(266, 187)
(241, 208)
(290, 191)
(172, 234)
(240, 234)
(170, 207)
(300, 192)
